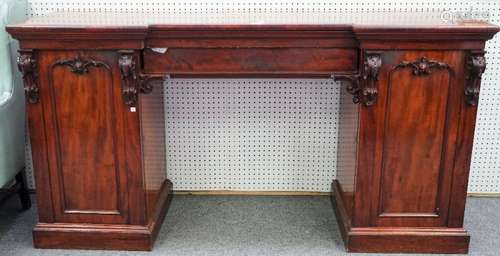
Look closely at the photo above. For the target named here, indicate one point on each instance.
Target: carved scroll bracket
(475, 67)
(133, 82)
(27, 65)
(371, 68)
(129, 77)
(353, 86)
(363, 85)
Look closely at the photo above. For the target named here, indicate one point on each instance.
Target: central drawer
(285, 61)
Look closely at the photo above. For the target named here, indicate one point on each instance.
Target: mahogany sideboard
(406, 128)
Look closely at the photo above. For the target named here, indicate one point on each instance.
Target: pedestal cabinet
(90, 164)
(404, 151)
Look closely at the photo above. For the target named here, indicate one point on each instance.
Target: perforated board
(275, 134)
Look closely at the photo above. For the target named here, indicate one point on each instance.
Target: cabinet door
(415, 126)
(86, 136)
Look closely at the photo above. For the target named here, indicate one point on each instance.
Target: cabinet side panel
(40, 158)
(464, 145)
(153, 145)
(347, 148)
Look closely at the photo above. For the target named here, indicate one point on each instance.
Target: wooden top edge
(76, 29)
(138, 26)
(250, 27)
(158, 28)
(251, 21)
(476, 27)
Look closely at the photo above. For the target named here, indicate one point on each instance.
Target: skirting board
(274, 193)
(281, 193)
(249, 193)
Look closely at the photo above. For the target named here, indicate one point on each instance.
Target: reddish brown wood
(395, 239)
(90, 157)
(153, 147)
(417, 114)
(86, 157)
(464, 143)
(408, 240)
(255, 61)
(40, 161)
(404, 151)
(105, 236)
(410, 159)
(348, 130)
(110, 38)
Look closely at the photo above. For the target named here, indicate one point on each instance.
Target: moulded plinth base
(396, 239)
(104, 236)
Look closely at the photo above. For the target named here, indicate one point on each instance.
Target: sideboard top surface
(287, 21)
(342, 29)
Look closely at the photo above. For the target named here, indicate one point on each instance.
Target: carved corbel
(129, 77)
(28, 67)
(423, 66)
(363, 85)
(371, 68)
(474, 66)
(353, 86)
(133, 82)
(145, 82)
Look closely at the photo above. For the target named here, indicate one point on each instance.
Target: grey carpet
(245, 225)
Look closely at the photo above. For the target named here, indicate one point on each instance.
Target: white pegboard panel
(225, 153)
(40, 7)
(485, 166)
(251, 134)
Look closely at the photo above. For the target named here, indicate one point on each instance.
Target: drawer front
(251, 61)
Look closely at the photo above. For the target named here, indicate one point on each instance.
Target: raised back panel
(420, 126)
(413, 141)
(86, 145)
(87, 160)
